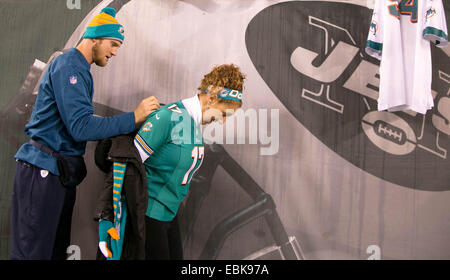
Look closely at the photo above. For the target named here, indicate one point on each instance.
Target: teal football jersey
(171, 146)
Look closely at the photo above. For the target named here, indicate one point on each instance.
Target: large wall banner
(308, 168)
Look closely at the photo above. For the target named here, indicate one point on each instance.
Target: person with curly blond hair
(169, 147)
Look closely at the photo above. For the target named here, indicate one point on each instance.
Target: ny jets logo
(337, 55)
(325, 78)
(388, 131)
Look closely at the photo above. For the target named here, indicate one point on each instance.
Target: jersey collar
(194, 108)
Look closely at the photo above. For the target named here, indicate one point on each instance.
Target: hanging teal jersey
(171, 147)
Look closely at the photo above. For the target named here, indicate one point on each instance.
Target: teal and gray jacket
(121, 150)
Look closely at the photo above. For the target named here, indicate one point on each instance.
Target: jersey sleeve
(154, 133)
(435, 27)
(374, 44)
(74, 101)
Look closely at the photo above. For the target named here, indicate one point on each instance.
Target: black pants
(163, 240)
(41, 214)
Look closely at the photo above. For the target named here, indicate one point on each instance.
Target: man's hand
(146, 106)
(106, 231)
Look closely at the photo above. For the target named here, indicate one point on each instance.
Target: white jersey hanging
(399, 36)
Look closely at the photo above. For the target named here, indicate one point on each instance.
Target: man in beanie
(51, 165)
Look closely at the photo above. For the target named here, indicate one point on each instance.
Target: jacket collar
(122, 147)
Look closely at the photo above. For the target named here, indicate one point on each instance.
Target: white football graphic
(389, 132)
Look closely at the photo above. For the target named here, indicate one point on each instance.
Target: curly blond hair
(225, 75)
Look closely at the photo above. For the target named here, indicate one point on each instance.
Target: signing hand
(146, 106)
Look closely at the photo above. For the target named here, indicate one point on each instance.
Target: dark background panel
(31, 29)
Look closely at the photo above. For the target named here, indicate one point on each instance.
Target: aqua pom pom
(109, 11)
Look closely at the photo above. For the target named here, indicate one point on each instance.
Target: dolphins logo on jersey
(147, 127)
(430, 12)
(374, 27)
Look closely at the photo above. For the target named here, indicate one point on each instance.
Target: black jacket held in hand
(122, 149)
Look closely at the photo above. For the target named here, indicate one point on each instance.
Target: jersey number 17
(197, 156)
